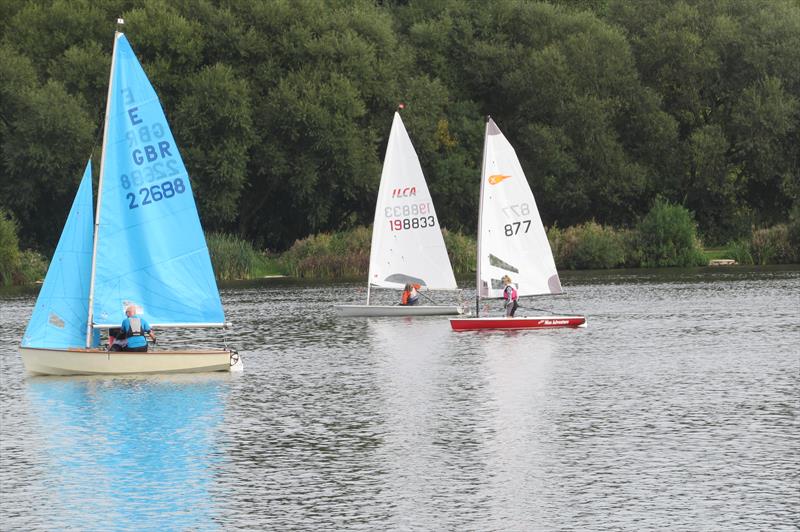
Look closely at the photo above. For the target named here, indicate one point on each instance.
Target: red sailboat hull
(530, 322)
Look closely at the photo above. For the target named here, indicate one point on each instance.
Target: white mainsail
(511, 237)
(407, 242)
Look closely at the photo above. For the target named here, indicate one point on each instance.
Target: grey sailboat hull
(397, 310)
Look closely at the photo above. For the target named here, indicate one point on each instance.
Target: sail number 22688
(148, 195)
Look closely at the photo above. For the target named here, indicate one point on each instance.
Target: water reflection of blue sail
(129, 454)
(61, 312)
(150, 246)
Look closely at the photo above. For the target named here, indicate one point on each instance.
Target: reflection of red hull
(531, 322)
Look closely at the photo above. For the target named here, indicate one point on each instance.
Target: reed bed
(344, 254)
(235, 258)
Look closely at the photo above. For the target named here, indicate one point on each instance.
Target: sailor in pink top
(510, 296)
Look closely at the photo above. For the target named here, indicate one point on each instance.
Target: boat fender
(236, 361)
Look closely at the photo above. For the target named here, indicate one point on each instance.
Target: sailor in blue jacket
(134, 328)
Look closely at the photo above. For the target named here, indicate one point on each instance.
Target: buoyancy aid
(510, 294)
(407, 298)
(135, 327)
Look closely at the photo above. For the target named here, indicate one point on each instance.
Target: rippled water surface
(677, 408)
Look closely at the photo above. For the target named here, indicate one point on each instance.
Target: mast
(480, 220)
(117, 33)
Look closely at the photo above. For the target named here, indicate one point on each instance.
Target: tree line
(282, 108)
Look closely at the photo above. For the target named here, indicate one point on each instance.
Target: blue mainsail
(151, 250)
(62, 309)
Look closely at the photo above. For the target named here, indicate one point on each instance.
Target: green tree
(213, 120)
(727, 73)
(40, 172)
(9, 249)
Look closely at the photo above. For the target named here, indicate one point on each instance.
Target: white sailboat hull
(398, 310)
(100, 362)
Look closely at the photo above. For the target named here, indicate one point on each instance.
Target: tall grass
(462, 250)
(739, 250)
(773, 245)
(344, 254)
(235, 258)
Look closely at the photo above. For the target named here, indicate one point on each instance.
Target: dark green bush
(32, 267)
(9, 249)
(668, 237)
(587, 246)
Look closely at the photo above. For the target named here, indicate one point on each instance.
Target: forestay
(512, 239)
(62, 308)
(151, 250)
(407, 243)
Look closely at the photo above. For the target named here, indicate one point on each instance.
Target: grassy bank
(235, 258)
(345, 254)
(666, 237)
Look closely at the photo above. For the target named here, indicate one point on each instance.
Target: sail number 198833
(410, 216)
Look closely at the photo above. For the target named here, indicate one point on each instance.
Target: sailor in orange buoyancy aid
(510, 296)
(410, 295)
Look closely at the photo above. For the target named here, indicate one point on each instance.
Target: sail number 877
(517, 210)
(514, 227)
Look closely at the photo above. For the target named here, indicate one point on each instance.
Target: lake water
(677, 408)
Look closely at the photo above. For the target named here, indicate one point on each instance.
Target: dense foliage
(587, 246)
(667, 236)
(17, 267)
(282, 108)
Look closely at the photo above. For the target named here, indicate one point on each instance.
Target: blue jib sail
(62, 309)
(151, 251)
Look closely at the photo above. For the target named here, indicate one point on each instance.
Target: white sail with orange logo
(511, 237)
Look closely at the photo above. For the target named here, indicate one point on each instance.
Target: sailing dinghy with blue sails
(145, 248)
